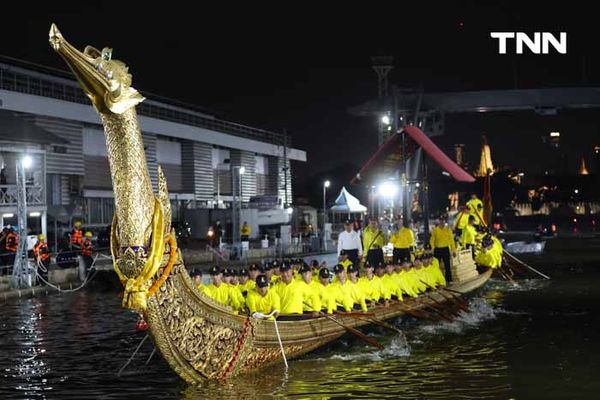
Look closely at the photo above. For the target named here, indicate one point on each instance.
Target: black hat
(253, 267)
(299, 261)
(285, 267)
(343, 253)
(305, 268)
(243, 272)
(228, 272)
(368, 265)
(427, 255)
(338, 268)
(347, 222)
(314, 263)
(275, 264)
(427, 246)
(324, 273)
(380, 265)
(262, 281)
(352, 268)
(215, 270)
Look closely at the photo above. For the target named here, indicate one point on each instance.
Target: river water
(538, 339)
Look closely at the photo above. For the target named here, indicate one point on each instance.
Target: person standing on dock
(245, 232)
(373, 242)
(41, 253)
(442, 243)
(76, 235)
(349, 243)
(86, 250)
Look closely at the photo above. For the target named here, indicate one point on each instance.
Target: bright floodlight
(27, 161)
(242, 170)
(327, 184)
(388, 189)
(290, 210)
(385, 119)
(554, 134)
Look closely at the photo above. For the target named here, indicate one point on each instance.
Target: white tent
(346, 204)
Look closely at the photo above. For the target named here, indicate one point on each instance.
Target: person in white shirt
(349, 240)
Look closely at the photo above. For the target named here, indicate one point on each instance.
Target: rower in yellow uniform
(262, 300)
(294, 294)
(325, 291)
(390, 283)
(373, 242)
(485, 257)
(341, 290)
(358, 298)
(404, 243)
(218, 290)
(380, 272)
(198, 279)
(313, 303)
(404, 279)
(432, 265)
(371, 286)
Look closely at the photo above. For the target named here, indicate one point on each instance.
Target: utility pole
(21, 276)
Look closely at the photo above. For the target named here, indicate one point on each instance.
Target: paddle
(452, 298)
(525, 265)
(355, 332)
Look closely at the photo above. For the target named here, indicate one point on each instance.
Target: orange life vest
(76, 236)
(41, 251)
(86, 249)
(12, 242)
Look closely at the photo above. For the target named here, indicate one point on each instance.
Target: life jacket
(12, 242)
(41, 251)
(76, 236)
(86, 249)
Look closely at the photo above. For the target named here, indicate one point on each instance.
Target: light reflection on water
(516, 342)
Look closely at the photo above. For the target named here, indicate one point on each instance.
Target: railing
(34, 195)
(17, 79)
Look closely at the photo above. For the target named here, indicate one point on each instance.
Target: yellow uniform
(469, 233)
(416, 278)
(326, 296)
(372, 289)
(221, 294)
(486, 259)
(248, 286)
(346, 263)
(436, 273)
(293, 296)
(245, 230)
(313, 303)
(357, 295)
(442, 237)
(274, 280)
(372, 239)
(462, 220)
(343, 295)
(476, 209)
(390, 284)
(237, 299)
(403, 239)
(263, 304)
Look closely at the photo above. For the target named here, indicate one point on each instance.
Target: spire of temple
(485, 163)
(582, 168)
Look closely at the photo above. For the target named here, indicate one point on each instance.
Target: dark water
(537, 340)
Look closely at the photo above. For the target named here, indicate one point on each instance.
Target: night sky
(299, 66)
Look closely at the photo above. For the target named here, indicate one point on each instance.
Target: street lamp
(326, 184)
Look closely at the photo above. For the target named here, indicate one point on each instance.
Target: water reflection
(537, 339)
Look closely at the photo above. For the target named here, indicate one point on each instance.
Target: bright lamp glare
(27, 161)
(388, 189)
(290, 210)
(242, 170)
(327, 184)
(554, 134)
(385, 119)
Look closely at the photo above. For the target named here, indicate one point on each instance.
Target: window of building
(261, 164)
(220, 158)
(99, 210)
(94, 143)
(168, 152)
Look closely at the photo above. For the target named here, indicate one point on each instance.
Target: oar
(439, 304)
(450, 297)
(355, 332)
(437, 311)
(525, 265)
(418, 313)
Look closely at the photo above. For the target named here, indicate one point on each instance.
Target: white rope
(527, 266)
(133, 355)
(85, 281)
(273, 314)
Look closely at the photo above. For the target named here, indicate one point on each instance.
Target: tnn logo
(539, 45)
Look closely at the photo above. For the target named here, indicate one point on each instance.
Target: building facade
(47, 117)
